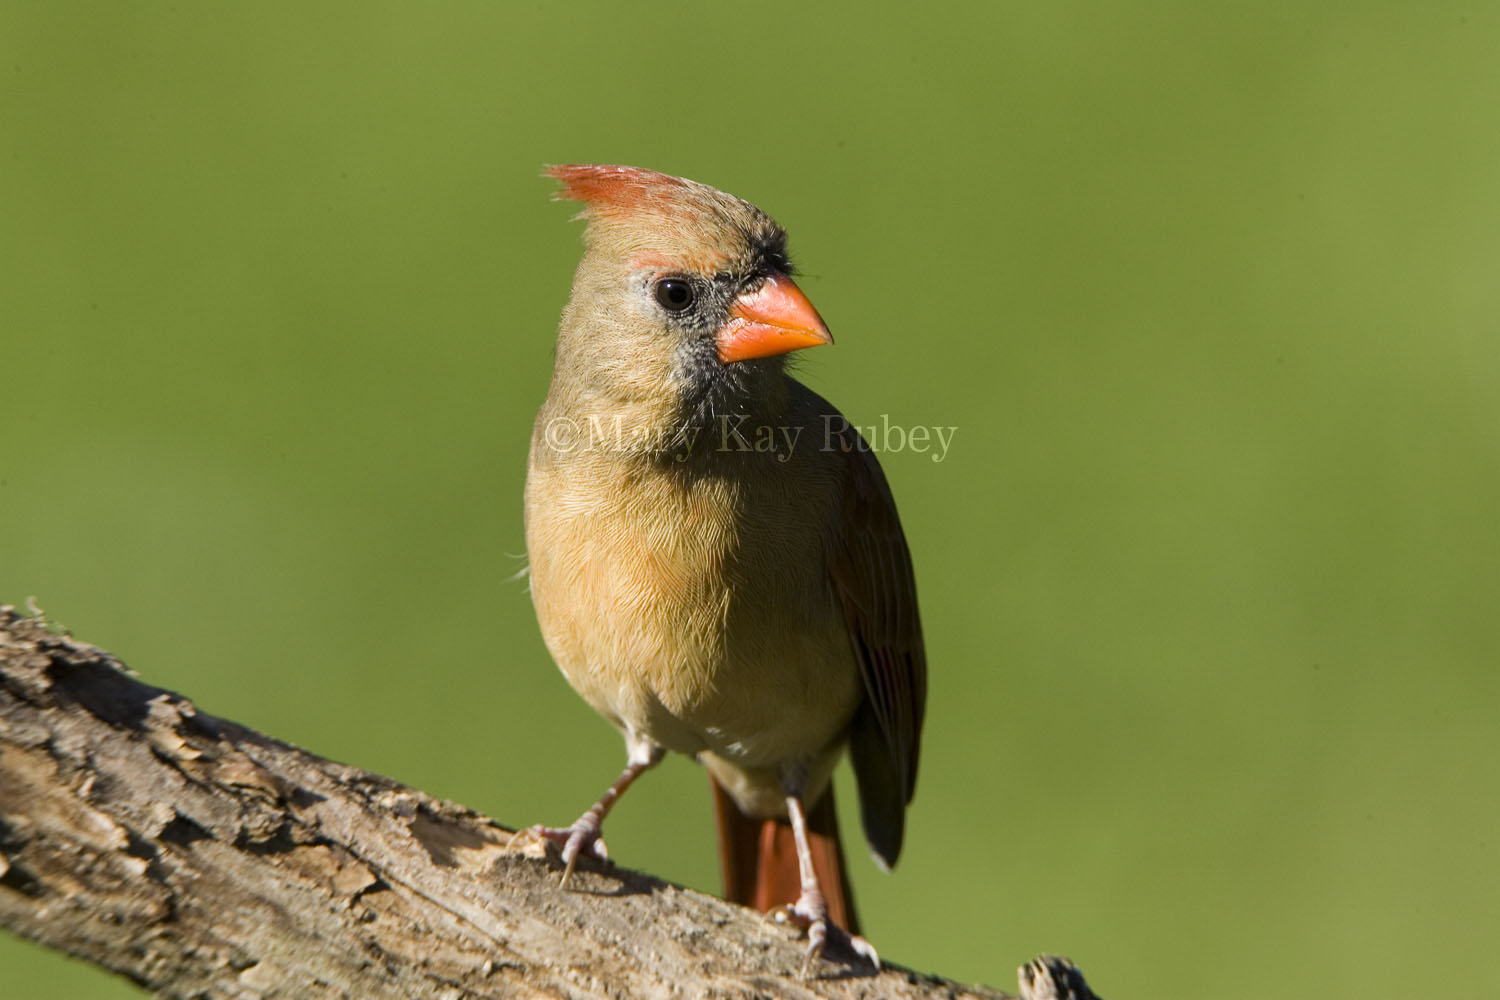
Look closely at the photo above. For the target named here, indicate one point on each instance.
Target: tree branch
(202, 859)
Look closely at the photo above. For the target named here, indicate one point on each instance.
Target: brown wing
(872, 577)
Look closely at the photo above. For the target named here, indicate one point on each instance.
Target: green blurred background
(1210, 575)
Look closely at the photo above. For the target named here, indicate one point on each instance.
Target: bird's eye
(674, 294)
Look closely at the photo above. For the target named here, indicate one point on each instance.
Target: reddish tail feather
(759, 859)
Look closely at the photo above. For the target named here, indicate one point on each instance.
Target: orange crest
(613, 190)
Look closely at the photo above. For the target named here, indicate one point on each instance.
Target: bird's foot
(810, 913)
(582, 837)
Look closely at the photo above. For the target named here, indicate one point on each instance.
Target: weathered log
(202, 859)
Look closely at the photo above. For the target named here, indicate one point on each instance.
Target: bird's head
(683, 291)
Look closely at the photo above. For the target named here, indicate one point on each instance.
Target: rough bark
(202, 859)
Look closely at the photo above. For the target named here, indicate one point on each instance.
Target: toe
(815, 944)
(864, 950)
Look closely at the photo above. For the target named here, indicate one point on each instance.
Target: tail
(759, 858)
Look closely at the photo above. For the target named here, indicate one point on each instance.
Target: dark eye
(674, 294)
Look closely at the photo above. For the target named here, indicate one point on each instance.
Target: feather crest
(610, 190)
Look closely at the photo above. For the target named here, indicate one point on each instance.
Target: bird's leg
(586, 833)
(810, 911)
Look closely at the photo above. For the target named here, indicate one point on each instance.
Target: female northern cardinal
(716, 560)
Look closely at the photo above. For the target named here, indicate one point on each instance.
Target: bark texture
(203, 859)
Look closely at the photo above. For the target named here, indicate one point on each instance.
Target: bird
(715, 557)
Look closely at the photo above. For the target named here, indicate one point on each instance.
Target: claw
(864, 950)
(811, 915)
(582, 836)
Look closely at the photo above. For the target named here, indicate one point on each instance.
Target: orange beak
(773, 319)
